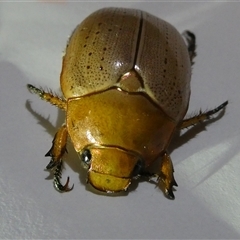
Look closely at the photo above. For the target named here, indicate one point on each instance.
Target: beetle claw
(166, 186)
(169, 194)
(62, 188)
(57, 183)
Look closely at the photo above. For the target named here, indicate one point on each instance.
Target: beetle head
(111, 169)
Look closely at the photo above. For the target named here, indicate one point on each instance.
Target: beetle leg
(166, 176)
(48, 97)
(202, 116)
(191, 44)
(58, 147)
(56, 153)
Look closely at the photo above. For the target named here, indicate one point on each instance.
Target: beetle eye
(138, 168)
(86, 156)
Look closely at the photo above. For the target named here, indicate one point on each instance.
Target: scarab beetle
(126, 84)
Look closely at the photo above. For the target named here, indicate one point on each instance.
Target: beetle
(125, 81)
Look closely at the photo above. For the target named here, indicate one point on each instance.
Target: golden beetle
(126, 85)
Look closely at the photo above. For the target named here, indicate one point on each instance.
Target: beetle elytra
(126, 85)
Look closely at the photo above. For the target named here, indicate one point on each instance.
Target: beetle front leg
(56, 153)
(166, 176)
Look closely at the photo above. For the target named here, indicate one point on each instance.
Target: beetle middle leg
(48, 97)
(56, 153)
(202, 116)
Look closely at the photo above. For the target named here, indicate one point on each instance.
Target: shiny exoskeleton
(126, 85)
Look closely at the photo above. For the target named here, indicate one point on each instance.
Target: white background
(206, 160)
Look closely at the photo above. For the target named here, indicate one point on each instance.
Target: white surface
(207, 165)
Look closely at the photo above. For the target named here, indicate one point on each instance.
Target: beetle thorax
(121, 119)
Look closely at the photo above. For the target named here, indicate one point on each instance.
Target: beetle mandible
(125, 81)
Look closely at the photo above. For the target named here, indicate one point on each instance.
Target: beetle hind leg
(56, 153)
(191, 44)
